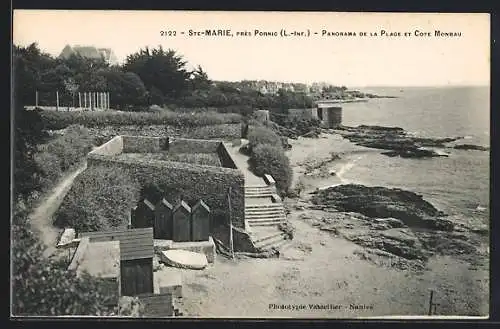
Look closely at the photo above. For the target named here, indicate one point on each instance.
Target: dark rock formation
(413, 153)
(398, 241)
(380, 202)
(471, 147)
(394, 139)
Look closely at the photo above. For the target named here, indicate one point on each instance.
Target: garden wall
(185, 145)
(225, 158)
(187, 181)
(112, 147)
(179, 179)
(143, 144)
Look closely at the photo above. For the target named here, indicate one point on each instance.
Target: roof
(102, 259)
(164, 203)
(148, 204)
(89, 52)
(134, 243)
(182, 205)
(202, 205)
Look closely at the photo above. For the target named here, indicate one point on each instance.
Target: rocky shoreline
(395, 227)
(397, 142)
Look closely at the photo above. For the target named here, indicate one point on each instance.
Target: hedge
(214, 131)
(270, 159)
(267, 155)
(99, 199)
(55, 120)
(258, 135)
(61, 153)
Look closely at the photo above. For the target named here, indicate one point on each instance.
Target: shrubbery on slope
(100, 198)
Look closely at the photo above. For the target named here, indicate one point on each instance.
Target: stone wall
(112, 147)
(185, 145)
(143, 144)
(225, 158)
(334, 116)
(187, 181)
(301, 113)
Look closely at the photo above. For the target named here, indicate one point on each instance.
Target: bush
(50, 168)
(100, 198)
(214, 131)
(302, 125)
(259, 135)
(59, 120)
(44, 287)
(71, 147)
(269, 159)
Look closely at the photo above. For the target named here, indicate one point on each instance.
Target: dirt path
(241, 162)
(41, 217)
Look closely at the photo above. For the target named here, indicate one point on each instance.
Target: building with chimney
(91, 52)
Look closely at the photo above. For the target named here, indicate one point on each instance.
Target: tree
(127, 88)
(29, 65)
(28, 132)
(200, 80)
(160, 69)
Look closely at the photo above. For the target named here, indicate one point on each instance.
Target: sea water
(458, 184)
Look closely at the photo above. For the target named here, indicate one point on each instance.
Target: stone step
(259, 195)
(267, 222)
(264, 188)
(280, 245)
(263, 211)
(257, 218)
(264, 206)
(256, 186)
(270, 242)
(265, 216)
(258, 238)
(267, 190)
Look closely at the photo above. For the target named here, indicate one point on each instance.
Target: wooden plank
(116, 231)
(79, 254)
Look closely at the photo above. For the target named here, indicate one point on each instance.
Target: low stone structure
(329, 114)
(191, 181)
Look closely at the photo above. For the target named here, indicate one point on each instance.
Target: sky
(351, 61)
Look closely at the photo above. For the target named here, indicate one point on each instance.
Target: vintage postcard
(209, 164)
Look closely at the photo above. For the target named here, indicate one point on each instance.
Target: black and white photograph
(261, 165)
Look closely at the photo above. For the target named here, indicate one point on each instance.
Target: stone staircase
(264, 212)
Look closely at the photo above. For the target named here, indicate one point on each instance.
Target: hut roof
(202, 205)
(134, 243)
(148, 204)
(182, 205)
(164, 203)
